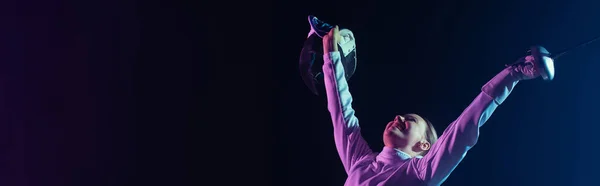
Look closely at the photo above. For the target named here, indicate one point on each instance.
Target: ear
(425, 145)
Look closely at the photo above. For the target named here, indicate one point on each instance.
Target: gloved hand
(344, 39)
(504, 82)
(331, 40)
(524, 69)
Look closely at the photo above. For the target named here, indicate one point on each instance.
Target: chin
(393, 141)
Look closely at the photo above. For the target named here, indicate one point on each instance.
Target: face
(406, 132)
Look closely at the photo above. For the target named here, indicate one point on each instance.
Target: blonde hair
(430, 135)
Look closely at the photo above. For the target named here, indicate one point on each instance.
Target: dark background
(191, 92)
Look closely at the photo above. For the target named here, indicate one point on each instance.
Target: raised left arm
(461, 135)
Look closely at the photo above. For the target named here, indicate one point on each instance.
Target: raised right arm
(349, 143)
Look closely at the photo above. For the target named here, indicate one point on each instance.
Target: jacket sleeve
(348, 140)
(461, 135)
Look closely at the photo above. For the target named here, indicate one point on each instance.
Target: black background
(208, 93)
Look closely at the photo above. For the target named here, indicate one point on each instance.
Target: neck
(407, 151)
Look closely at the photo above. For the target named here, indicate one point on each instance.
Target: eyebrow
(410, 116)
(419, 119)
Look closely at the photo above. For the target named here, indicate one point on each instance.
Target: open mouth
(399, 126)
